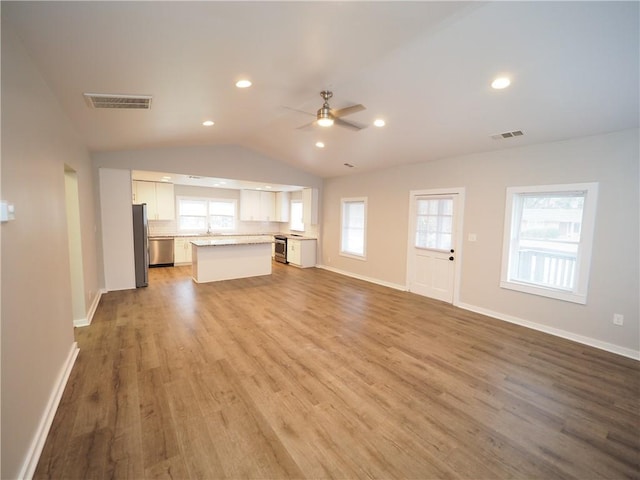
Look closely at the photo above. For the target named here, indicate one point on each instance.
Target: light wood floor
(309, 374)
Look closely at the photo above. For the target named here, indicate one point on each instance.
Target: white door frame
(460, 192)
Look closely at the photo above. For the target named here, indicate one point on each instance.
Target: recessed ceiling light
(208, 123)
(319, 144)
(243, 83)
(378, 122)
(500, 83)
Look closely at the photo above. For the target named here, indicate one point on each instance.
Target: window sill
(545, 292)
(353, 255)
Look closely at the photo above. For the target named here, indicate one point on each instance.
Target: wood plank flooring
(309, 374)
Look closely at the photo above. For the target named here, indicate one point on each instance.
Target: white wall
(117, 229)
(37, 320)
(222, 161)
(612, 160)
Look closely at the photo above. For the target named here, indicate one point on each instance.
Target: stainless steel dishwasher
(161, 252)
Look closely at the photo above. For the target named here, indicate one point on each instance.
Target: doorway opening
(72, 201)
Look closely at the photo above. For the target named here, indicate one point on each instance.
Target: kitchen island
(227, 258)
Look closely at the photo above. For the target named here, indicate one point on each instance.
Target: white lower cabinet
(301, 253)
(182, 250)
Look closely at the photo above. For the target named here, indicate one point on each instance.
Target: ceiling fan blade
(306, 126)
(349, 125)
(343, 112)
(299, 111)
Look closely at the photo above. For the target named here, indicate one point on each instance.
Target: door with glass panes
(431, 256)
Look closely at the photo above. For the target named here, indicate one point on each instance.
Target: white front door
(433, 244)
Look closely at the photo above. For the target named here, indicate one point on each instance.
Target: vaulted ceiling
(423, 67)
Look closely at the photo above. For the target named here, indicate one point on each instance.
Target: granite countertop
(296, 236)
(224, 236)
(239, 240)
(209, 235)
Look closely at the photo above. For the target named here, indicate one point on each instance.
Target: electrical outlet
(618, 319)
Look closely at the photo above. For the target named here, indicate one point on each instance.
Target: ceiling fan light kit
(326, 116)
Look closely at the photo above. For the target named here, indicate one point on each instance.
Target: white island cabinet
(229, 258)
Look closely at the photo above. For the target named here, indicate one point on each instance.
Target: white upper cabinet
(159, 197)
(257, 206)
(310, 206)
(166, 201)
(268, 206)
(283, 206)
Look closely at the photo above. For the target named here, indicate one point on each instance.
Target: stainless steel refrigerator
(141, 244)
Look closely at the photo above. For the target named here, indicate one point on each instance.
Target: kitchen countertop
(206, 235)
(296, 237)
(238, 240)
(218, 235)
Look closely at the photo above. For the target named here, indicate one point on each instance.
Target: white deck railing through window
(551, 269)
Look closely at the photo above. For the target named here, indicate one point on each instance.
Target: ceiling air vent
(105, 100)
(502, 136)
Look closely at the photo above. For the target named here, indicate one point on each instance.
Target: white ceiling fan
(327, 116)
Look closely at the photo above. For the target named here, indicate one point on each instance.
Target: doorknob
(451, 258)
(451, 250)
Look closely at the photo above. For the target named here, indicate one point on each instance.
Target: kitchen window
(204, 215)
(354, 227)
(548, 239)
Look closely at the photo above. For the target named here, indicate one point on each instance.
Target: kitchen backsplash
(162, 227)
(170, 227)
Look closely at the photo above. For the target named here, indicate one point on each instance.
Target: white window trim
(583, 260)
(364, 244)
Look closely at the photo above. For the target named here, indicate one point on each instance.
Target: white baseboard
(395, 286)
(37, 444)
(592, 342)
(85, 322)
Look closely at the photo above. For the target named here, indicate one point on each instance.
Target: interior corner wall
(609, 159)
(37, 321)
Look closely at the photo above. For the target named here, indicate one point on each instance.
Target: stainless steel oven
(280, 248)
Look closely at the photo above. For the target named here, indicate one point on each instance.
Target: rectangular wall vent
(105, 100)
(502, 136)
